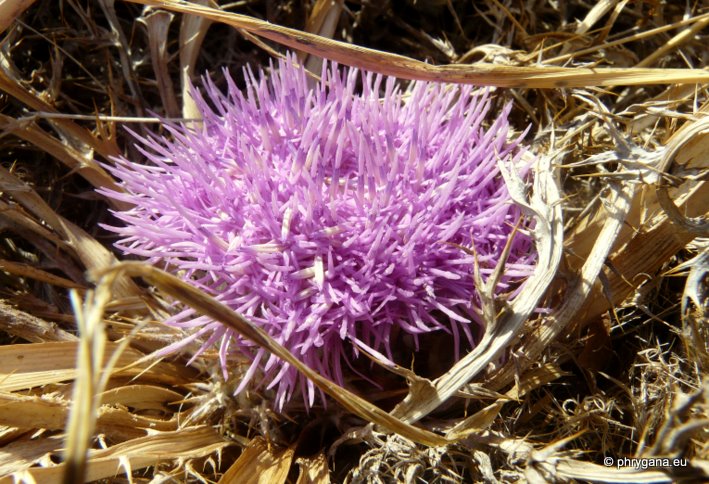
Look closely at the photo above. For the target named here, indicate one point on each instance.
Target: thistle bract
(336, 215)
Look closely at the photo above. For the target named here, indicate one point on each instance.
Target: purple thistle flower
(331, 216)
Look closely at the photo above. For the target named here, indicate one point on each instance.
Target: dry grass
(617, 99)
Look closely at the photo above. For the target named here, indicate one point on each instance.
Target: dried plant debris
(592, 367)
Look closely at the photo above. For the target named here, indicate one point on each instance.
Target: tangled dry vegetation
(616, 96)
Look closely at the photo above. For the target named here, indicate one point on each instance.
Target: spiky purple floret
(328, 215)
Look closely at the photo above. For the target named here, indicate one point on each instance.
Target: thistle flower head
(335, 216)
